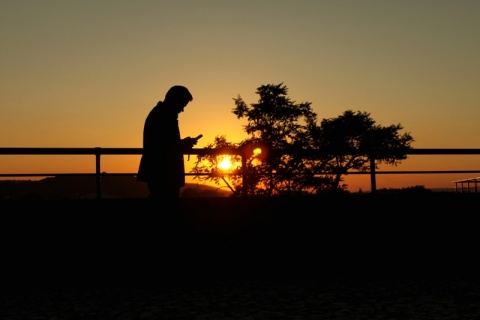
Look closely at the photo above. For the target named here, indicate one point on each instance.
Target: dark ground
(332, 257)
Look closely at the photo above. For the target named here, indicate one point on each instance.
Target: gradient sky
(86, 73)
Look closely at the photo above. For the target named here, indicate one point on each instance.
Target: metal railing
(475, 181)
(98, 152)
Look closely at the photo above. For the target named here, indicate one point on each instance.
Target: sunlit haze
(86, 73)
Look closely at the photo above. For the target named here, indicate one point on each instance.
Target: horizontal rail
(476, 179)
(437, 151)
(202, 151)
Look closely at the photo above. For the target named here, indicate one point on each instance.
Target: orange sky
(86, 73)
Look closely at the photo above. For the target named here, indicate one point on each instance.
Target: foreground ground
(336, 257)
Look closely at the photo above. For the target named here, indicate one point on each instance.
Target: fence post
(98, 152)
(373, 182)
(244, 175)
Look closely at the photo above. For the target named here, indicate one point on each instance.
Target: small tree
(208, 166)
(352, 140)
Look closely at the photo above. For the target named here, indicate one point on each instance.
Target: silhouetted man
(161, 165)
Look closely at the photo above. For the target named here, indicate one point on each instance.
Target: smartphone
(199, 136)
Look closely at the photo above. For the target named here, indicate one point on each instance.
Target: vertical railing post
(98, 152)
(244, 175)
(373, 181)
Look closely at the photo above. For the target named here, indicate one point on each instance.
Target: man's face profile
(181, 104)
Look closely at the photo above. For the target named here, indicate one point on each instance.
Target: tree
(275, 122)
(280, 124)
(352, 140)
(207, 166)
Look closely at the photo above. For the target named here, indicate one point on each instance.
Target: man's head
(178, 97)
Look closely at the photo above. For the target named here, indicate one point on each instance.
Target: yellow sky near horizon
(86, 73)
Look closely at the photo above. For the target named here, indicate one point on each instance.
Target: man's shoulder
(160, 116)
(157, 110)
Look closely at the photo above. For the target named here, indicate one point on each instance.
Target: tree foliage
(275, 122)
(298, 154)
(207, 167)
(279, 123)
(349, 141)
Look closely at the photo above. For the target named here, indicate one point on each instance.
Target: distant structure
(468, 183)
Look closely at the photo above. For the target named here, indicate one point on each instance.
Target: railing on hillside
(475, 181)
(98, 152)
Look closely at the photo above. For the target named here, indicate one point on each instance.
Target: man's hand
(189, 142)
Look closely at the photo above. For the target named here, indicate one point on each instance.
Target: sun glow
(257, 152)
(225, 164)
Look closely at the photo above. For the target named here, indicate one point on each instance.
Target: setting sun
(225, 164)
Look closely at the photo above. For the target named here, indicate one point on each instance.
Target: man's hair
(176, 93)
